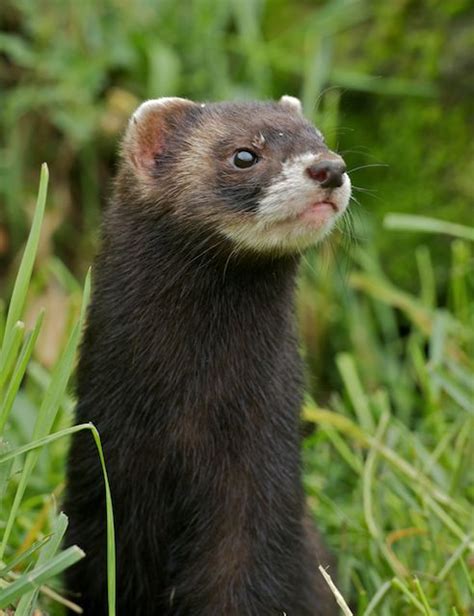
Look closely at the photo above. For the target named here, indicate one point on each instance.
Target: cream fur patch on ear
(157, 105)
(291, 103)
(149, 129)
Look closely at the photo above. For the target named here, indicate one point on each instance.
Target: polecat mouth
(316, 213)
(325, 204)
(319, 214)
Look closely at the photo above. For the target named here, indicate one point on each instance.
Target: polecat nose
(327, 172)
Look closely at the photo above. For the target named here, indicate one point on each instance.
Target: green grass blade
(2, 318)
(460, 292)
(111, 566)
(61, 373)
(453, 559)
(44, 422)
(19, 372)
(316, 75)
(351, 429)
(47, 440)
(448, 521)
(438, 339)
(5, 469)
(343, 449)
(48, 411)
(57, 534)
(396, 583)
(27, 601)
(411, 222)
(427, 276)
(39, 575)
(26, 267)
(368, 479)
(463, 399)
(390, 86)
(64, 275)
(422, 596)
(57, 387)
(348, 370)
(377, 598)
(9, 355)
(24, 556)
(388, 294)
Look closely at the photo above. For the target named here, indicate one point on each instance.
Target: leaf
(411, 222)
(24, 556)
(111, 564)
(26, 266)
(39, 575)
(19, 372)
(27, 601)
(48, 411)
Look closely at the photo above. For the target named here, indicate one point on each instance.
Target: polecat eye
(244, 159)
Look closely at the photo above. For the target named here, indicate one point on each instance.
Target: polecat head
(257, 173)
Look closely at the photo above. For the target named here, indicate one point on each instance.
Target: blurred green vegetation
(386, 314)
(389, 82)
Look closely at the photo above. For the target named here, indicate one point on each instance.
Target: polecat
(190, 368)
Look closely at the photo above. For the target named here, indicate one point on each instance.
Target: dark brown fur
(190, 370)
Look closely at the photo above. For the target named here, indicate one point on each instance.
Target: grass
(381, 81)
(387, 471)
(42, 561)
(387, 330)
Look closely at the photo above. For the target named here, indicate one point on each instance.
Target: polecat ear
(291, 103)
(149, 129)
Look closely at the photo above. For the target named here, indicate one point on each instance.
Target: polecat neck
(188, 327)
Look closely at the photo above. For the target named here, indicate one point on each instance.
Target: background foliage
(386, 314)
